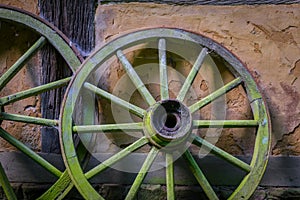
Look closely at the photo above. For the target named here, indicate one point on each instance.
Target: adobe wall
(266, 38)
(30, 5)
(15, 40)
(266, 43)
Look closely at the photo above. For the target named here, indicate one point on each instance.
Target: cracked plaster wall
(266, 38)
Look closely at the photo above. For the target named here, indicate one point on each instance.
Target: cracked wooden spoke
(163, 70)
(200, 177)
(192, 75)
(221, 153)
(135, 78)
(15, 68)
(213, 96)
(142, 173)
(115, 158)
(108, 128)
(132, 108)
(33, 91)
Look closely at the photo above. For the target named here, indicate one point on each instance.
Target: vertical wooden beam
(75, 18)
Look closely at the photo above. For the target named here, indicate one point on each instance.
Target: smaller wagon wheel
(165, 124)
(44, 33)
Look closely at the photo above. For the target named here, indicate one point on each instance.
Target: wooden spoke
(213, 96)
(60, 189)
(132, 108)
(170, 177)
(224, 123)
(108, 128)
(142, 173)
(192, 75)
(31, 154)
(33, 91)
(15, 68)
(4, 182)
(200, 177)
(135, 79)
(221, 153)
(118, 156)
(163, 71)
(27, 119)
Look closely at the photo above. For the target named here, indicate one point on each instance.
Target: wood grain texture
(75, 18)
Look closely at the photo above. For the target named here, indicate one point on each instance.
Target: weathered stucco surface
(28, 5)
(15, 40)
(266, 38)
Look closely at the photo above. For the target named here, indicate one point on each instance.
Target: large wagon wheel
(44, 34)
(166, 124)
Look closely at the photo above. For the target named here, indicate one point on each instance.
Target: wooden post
(75, 18)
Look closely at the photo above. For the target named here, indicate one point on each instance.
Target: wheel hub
(168, 122)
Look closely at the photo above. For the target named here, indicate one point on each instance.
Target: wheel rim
(45, 33)
(151, 134)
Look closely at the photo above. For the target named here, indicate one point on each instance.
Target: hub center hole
(171, 120)
(168, 120)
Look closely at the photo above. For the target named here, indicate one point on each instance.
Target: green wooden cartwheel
(166, 126)
(47, 34)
